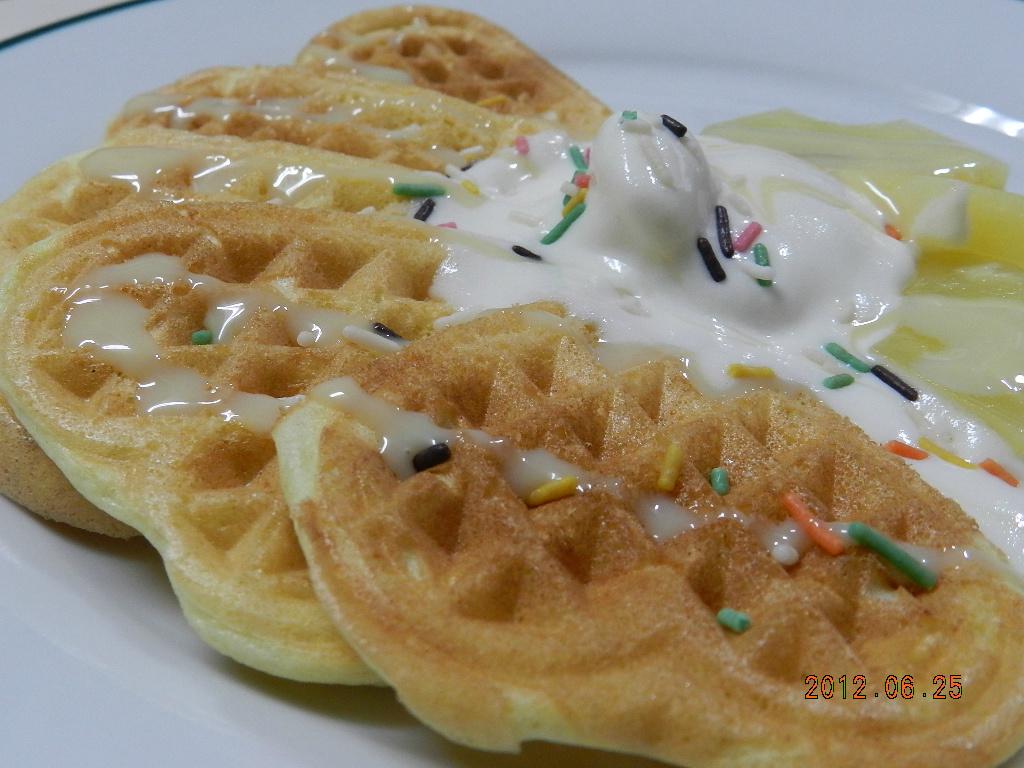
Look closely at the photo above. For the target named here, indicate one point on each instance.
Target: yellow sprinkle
(470, 187)
(553, 491)
(575, 200)
(671, 465)
(740, 371)
(493, 101)
(928, 445)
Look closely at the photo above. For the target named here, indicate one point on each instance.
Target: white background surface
(97, 668)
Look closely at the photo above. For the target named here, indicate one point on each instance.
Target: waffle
(498, 623)
(457, 53)
(202, 489)
(174, 165)
(393, 123)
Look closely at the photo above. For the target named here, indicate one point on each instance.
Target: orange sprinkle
(810, 525)
(893, 232)
(906, 451)
(993, 467)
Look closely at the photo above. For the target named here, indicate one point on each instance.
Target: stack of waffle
(267, 195)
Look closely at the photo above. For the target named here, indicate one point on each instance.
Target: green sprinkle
(889, 551)
(843, 356)
(838, 381)
(629, 114)
(576, 155)
(737, 621)
(559, 229)
(418, 190)
(202, 337)
(719, 479)
(761, 259)
(566, 199)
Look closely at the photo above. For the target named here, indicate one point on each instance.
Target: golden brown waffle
(161, 163)
(394, 123)
(498, 623)
(205, 491)
(457, 53)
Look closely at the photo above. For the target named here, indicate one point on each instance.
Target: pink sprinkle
(448, 225)
(586, 156)
(748, 236)
(582, 180)
(522, 145)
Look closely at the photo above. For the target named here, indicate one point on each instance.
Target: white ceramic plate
(97, 667)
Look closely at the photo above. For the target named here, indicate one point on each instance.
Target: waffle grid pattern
(459, 54)
(204, 491)
(489, 595)
(412, 127)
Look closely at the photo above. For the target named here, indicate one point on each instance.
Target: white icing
(631, 267)
(147, 171)
(112, 327)
(403, 434)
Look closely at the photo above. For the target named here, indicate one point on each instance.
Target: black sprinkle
(518, 250)
(426, 208)
(382, 330)
(466, 167)
(431, 456)
(890, 379)
(724, 233)
(673, 125)
(710, 260)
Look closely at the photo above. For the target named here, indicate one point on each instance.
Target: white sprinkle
(756, 270)
(474, 150)
(568, 188)
(367, 338)
(306, 338)
(452, 170)
(522, 217)
(636, 126)
(366, 210)
(785, 554)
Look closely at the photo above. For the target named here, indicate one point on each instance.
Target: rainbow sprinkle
(812, 527)
(526, 253)
(893, 231)
(470, 187)
(576, 199)
(719, 479)
(404, 189)
(905, 451)
(553, 490)
(893, 381)
(522, 145)
(747, 237)
(426, 208)
(838, 381)
(560, 228)
(673, 125)
(996, 469)
(892, 553)
(707, 254)
(840, 354)
(948, 456)
(671, 466)
(629, 114)
(203, 337)
(724, 233)
(742, 371)
(576, 155)
(737, 621)
(761, 259)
